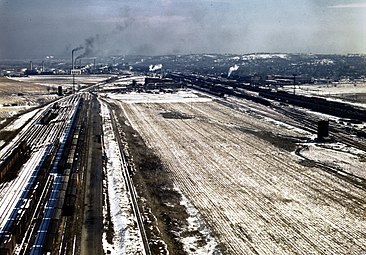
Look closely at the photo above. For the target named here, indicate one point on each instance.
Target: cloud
(39, 28)
(351, 5)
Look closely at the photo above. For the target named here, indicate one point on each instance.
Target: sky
(40, 28)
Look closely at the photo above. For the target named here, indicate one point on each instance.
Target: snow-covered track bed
(256, 197)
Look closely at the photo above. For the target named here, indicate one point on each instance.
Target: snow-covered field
(127, 240)
(197, 224)
(354, 91)
(255, 197)
(337, 155)
(335, 89)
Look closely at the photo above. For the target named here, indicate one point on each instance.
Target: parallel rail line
(130, 186)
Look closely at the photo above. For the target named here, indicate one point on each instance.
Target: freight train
(220, 87)
(21, 216)
(63, 191)
(322, 105)
(70, 196)
(49, 182)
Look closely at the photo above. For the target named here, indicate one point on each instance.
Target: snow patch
(18, 123)
(127, 239)
(337, 155)
(179, 97)
(263, 56)
(288, 126)
(196, 224)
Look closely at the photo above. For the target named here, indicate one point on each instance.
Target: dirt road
(92, 229)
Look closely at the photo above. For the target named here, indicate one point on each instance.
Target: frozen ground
(201, 243)
(351, 92)
(337, 155)
(66, 81)
(256, 197)
(333, 89)
(196, 224)
(17, 96)
(60, 79)
(19, 122)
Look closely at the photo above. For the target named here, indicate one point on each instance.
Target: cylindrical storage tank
(323, 129)
(59, 91)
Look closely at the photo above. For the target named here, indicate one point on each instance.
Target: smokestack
(42, 66)
(72, 56)
(31, 65)
(94, 65)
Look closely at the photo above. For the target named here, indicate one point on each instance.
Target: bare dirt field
(57, 80)
(17, 96)
(243, 177)
(19, 93)
(10, 86)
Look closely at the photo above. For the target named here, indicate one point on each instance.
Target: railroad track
(297, 118)
(309, 123)
(32, 229)
(13, 192)
(130, 186)
(303, 121)
(38, 138)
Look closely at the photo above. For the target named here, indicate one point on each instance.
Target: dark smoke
(78, 48)
(90, 45)
(127, 19)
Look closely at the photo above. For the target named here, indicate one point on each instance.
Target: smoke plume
(78, 48)
(88, 46)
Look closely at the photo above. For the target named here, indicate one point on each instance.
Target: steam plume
(153, 68)
(232, 69)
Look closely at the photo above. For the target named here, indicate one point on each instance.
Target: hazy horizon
(42, 28)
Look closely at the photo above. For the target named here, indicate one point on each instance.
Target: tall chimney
(72, 60)
(31, 65)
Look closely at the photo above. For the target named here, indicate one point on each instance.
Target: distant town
(183, 154)
(259, 68)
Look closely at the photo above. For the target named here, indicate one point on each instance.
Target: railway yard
(202, 169)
